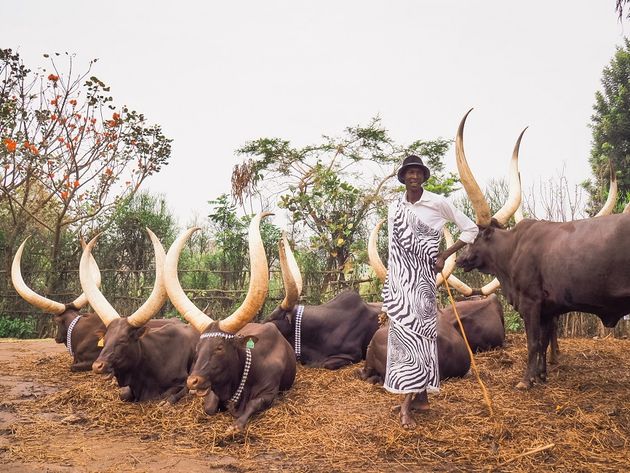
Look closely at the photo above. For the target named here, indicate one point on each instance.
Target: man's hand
(439, 263)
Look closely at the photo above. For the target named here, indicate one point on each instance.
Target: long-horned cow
(330, 335)
(149, 358)
(549, 268)
(79, 331)
(239, 365)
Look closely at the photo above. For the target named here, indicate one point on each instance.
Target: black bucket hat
(412, 161)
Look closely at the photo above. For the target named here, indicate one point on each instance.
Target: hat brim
(401, 171)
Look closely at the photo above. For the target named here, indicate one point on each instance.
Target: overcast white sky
(218, 74)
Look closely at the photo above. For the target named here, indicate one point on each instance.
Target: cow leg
(532, 329)
(336, 362)
(254, 405)
(554, 352)
(211, 403)
(81, 366)
(126, 394)
(541, 365)
(175, 393)
(370, 375)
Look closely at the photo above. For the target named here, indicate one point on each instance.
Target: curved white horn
(373, 257)
(459, 285)
(96, 299)
(258, 280)
(479, 203)
(609, 205)
(490, 287)
(30, 296)
(176, 294)
(158, 295)
(514, 196)
(291, 288)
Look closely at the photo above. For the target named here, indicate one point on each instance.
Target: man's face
(414, 177)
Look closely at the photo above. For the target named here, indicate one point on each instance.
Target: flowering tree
(67, 153)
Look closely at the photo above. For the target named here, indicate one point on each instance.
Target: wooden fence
(127, 290)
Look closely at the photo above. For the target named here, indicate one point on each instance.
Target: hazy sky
(215, 75)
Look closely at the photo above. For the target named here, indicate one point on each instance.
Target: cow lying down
(482, 318)
(239, 366)
(150, 359)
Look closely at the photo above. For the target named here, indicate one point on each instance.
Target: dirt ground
(52, 420)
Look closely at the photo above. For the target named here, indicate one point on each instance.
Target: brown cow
(549, 268)
(239, 366)
(150, 359)
(453, 357)
(80, 332)
(329, 335)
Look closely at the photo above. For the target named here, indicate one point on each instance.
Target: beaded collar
(298, 331)
(69, 334)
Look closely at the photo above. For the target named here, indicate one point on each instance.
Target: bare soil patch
(57, 421)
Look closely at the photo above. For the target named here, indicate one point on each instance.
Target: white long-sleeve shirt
(435, 210)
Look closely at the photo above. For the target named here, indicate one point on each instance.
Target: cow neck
(248, 363)
(69, 334)
(297, 324)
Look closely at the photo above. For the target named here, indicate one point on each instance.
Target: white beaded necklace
(69, 334)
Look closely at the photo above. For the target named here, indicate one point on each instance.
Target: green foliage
(610, 124)
(17, 327)
(513, 321)
(330, 188)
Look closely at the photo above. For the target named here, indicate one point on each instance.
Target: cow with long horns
(239, 366)
(548, 268)
(79, 331)
(329, 335)
(149, 358)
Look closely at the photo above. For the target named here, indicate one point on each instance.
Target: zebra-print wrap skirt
(409, 301)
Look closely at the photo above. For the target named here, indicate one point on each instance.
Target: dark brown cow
(453, 357)
(149, 359)
(330, 335)
(548, 268)
(80, 332)
(239, 366)
(482, 318)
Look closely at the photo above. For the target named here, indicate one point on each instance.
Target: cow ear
(139, 332)
(248, 341)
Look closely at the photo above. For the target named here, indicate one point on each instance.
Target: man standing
(415, 224)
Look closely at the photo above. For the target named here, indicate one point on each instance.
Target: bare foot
(406, 419)
(420, 402)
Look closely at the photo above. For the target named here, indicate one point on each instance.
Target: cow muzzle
(196, 383)
(100, 367)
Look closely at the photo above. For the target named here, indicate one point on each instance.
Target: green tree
(611, 131)
(67, 154)
(331, 187)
